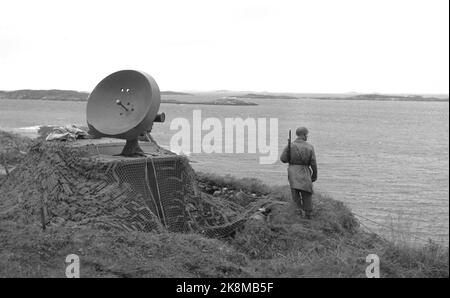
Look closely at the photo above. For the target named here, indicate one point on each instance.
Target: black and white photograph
(224, 147)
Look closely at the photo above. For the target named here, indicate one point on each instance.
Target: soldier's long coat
(303, 166)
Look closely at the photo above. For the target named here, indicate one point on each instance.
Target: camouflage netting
(61, 185)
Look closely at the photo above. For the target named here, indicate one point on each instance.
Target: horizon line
(252, 91)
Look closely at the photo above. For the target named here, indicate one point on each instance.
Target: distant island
(71, 95)
(381, 97)
(174, 93)
(54, 94)
(225, 101)
(264, 96)
(63, 95)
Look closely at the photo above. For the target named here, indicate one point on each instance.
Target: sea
(387, 160)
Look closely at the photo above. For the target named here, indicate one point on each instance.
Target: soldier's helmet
(301, 131)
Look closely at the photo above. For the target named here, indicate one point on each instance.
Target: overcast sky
(392, 46)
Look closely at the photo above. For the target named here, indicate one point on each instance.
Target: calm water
(389, 161)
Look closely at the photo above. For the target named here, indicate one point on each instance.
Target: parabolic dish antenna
(124, 105)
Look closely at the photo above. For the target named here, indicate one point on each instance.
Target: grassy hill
(277, 243)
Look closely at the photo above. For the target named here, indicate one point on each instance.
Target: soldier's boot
(308, 214)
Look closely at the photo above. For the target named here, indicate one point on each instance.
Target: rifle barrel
(289, 147)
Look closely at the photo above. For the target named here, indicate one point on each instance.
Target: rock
(57, 221)
(258, 217)
(264, 211)
(241, 196)
(190, 207)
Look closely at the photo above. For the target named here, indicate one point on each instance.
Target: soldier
(302, 170)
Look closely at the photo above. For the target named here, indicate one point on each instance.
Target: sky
(320, 46)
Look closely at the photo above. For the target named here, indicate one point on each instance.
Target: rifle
(289, 148)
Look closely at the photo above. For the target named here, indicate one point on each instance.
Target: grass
(282, 244)
(331, 245)
(27, 251)
(12, 150)
(251, 185)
